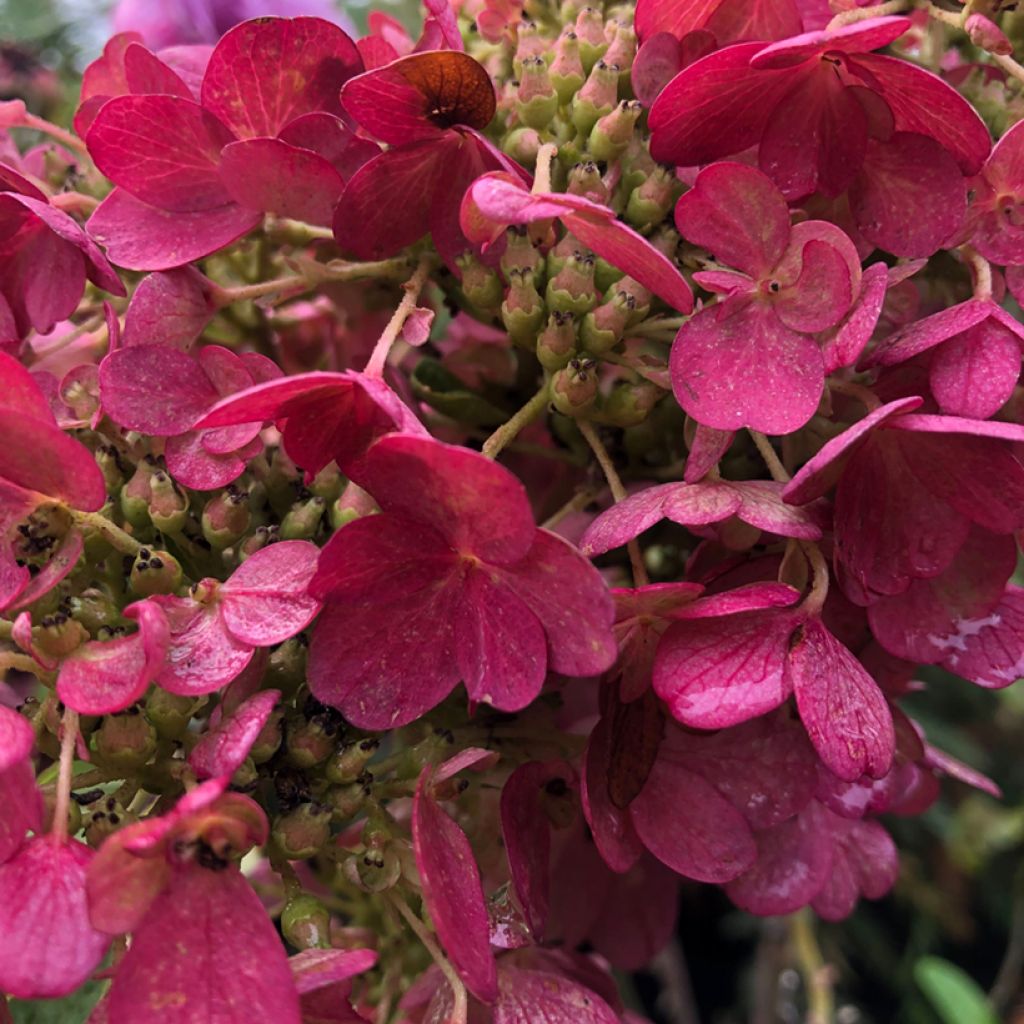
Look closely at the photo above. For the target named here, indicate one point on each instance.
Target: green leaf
(954, 994)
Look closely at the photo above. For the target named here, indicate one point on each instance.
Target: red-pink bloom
(39, 465)
(323, 417)
(170, 308)
(194, 176)
(45, 259)
(975, 355)
(162, 391)
(104, 676)
(430, 109)
(174, 883)
(21, 805)
(829, 116)
(996, 213)
(48, 947)
(215, 631)
(222, 749)
(452, 891)
(453, 581)
(908, 486)
(728, 21)
(751, 360)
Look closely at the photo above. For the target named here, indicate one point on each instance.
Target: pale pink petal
(313, 969)
(193, 927)
(857, 37)
(452, 891)
(991, 651)
(973, 374)
(845, 346)
(629, 518)
(189, 462)
(222, 750)
(127, 875)
(865, 861)
(47, 945)
(169, 308)
(526, 997)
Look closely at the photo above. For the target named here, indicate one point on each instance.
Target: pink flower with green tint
(174, 883)
(752, 359)
(452, 581)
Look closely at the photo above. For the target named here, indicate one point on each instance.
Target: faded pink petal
(844, 347)
(990, 651)
(973, 374)
(222, 750)
(170, 308)
(21, 805)
(47, 945)
(526, 997)
(268, 71)
(313, 969)
(706, 451)
(657, 62)
(143, 237)
(104, 676)
(195, 926)
(332, 139)
(452, 892)
(841, 706)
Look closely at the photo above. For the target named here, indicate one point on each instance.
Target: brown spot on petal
(457, 89)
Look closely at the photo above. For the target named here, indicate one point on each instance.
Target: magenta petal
(711, 842)
(21, 392)
(193, 927)
(527, 997)
(313, 969)
(146, 73)
(162, 149)
(266, 598)
(845, 346)
(274, 177)
(477, 504)
(143, 237)
(629, 518)
(721, 671)
(793, 862)
(910, 196)
(222, 750)
(714, 108)
(47, 945)
(61, 562)
(329, 136)
(933, 617)
(858, 37)
(202, 656)
(452, 892)
(738, 214)
(17, 739)
(500, 646)
(746, 369)
(170, 309)
(706, 451)
(189, 462)
(104, 676)
(991, 653)
(21, 806)
(822, 294)
(865, 861)
(841, 706)
(974, 373)
(268, 71)
(657, 62)
(154, 389)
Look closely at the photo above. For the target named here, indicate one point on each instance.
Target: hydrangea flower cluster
(455, 489)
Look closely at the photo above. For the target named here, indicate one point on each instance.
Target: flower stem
(510, 428)
(775, 466)
(952, 18)
(379, 356)
(542, 177)
(815, 600)
(21, 663)
(74, 202)
(864, 395)
(245, 292)
(123, 542)
(636, 558)
(863, 13)
(576, 503)
(981, 270)
(816, 973)
(73, 142)
(69, 736)
(460, 1009)
(1012, 67)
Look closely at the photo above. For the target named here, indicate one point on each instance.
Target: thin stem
(657, 325)
(981, 270)
(510, 428)
(379, 357)
(542, 177)
(864, 395)
(245, 292)
(955, 19)
(863, 13)
(775, 466)
(69, 736)
(815, 600)
(74, 202)
(460, 1009)
(123, 542)
(636, 558)
(21, 663)
(579, 501)
(816, 973)
(73, 142)
(1009, 65)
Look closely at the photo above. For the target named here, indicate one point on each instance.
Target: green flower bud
(168, 503)
(74, 822)
(590, 29)
(282, 482)
(260, 538)
(572, 289)
(567, 74)
(636, 164)
(603, 328)
(103, 816)
(328, 483)
(301, 833)
(347, 800)
(350, 760)
(109, 460)
(522, 312)
(305, 923)
(630, 404)
(135, 494)
(650, 202)
(170, 713)
(597, 97)
(286, 667)
(57, 635)
(574, 389)
(521, 254)
(556, 344)
(308, 742)
(480, 284)
(537, 101)
(125, 741)
(377, 869)
(267, 744)
(94, 608)
(246, 775)
(585, 180)
(522, 144)
(154, 572)
(529, 43)
(628, 289)
(610, 136)
(303, 519)
(622, 50)
(226, 518)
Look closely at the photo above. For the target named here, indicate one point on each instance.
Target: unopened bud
(305, 923)
(556, 344)
(268, 742)
(652, 199)
(610, 136)
(585, 180)
(480, 284)
(303, 519)
(572, 289)
(328, 483)
(640, 295)
(574, 389)
(170, 713)
(522, 312)
(127, 740)
(154, 572)
(347, 800)
(309, 742)
(630, 404)
(58, 634)
(622, 48)
(529, 44)
(168, 503)
(226, 517)
(521, 254)
(103, 816)
(597, 97)
(256, 541)
(603, 328)
(987, 35)
(590, 29)
(135, 494)
(567, 74)
(301, 833)
(350, 761)
(94, 608)
(537, 100)
(286, 667)
(109, 460)
(522, 144)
